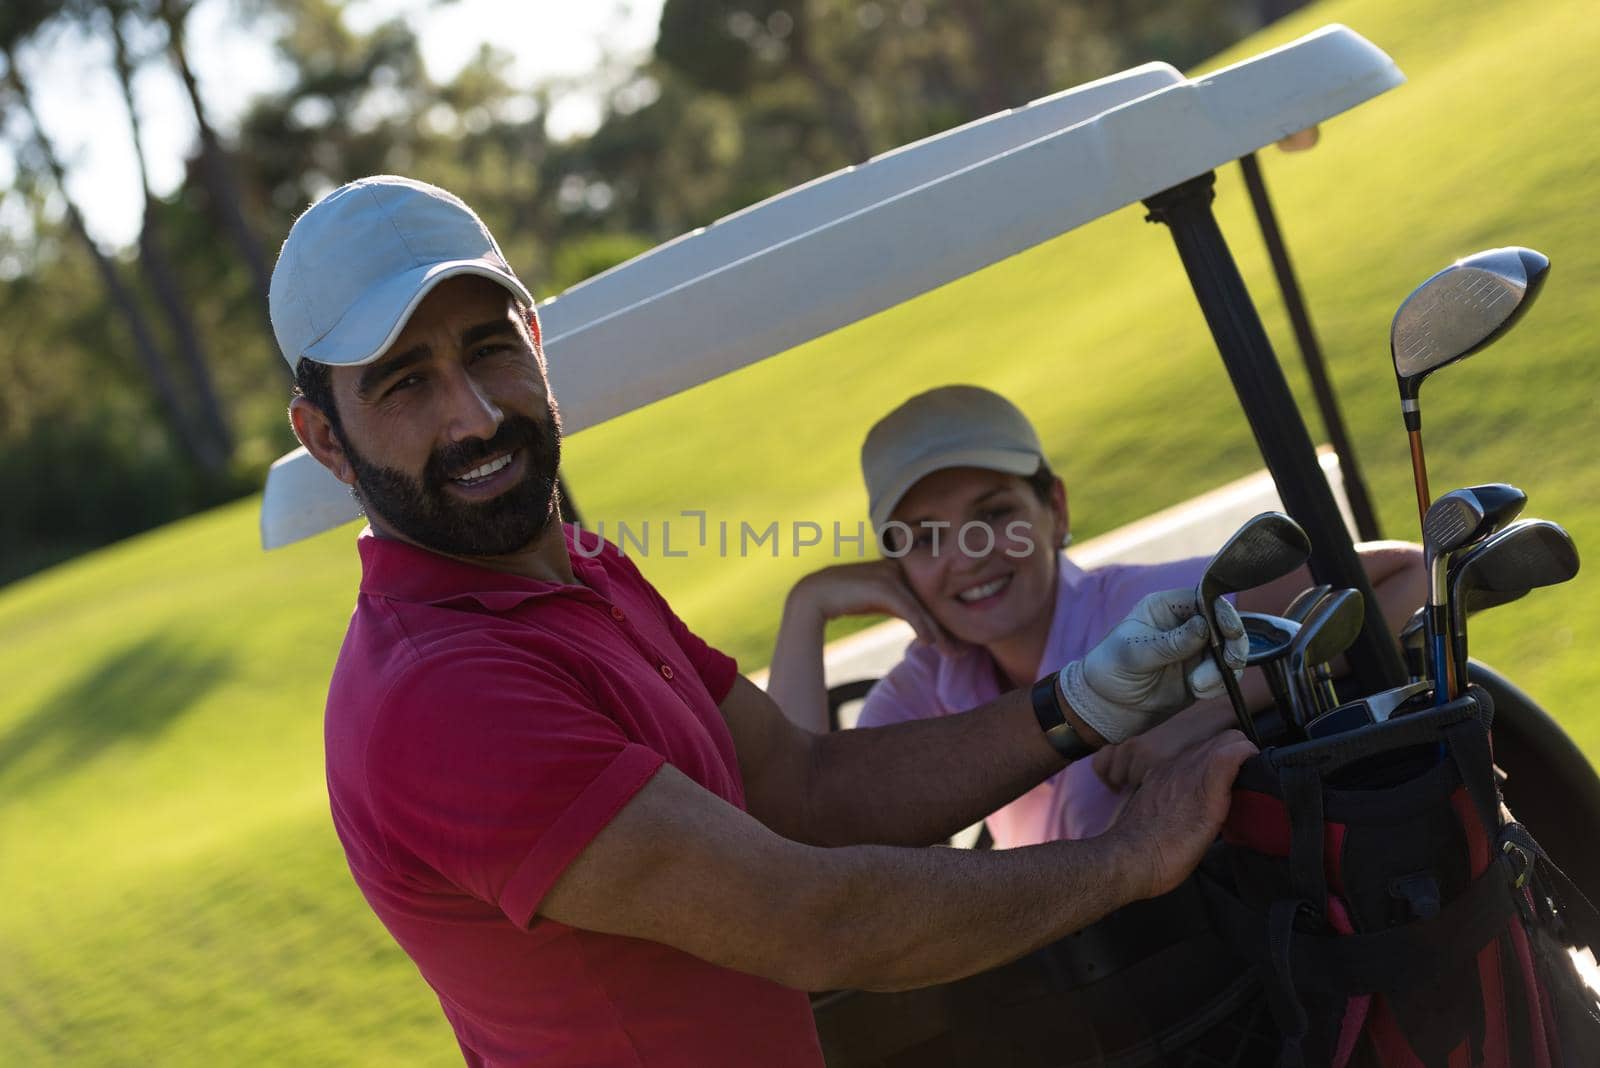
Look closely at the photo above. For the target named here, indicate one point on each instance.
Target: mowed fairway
(174, 894)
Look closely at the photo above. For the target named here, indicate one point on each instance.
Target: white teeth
(988, 589)
(486, 470)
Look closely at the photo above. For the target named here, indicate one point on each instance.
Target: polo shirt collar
(400, 571)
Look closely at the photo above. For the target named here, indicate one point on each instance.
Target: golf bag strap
(1282, 998)
(1370, 962)
(1302, 797)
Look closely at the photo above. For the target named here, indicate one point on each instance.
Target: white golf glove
(1152, 664)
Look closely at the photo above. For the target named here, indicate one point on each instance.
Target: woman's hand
(872, 587)
(1127, 763)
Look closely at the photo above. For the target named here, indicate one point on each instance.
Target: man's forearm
(973, 911)
(918, 783)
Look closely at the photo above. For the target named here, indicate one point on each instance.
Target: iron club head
(1326, 633)
(1267, 546)
(1504, 567)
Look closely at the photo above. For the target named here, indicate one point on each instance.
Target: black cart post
(1270, 407)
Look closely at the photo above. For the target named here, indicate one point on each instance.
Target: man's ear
(316, 433)
(534, 329)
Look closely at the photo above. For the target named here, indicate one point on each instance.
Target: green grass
(174, 893)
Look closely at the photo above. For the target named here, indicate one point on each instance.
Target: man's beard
(427, 513)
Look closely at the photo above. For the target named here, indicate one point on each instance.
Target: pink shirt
(1073, 803)
(481, 729)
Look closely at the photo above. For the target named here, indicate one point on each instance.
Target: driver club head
(1522, 557)
(1266, 547)
(1461, 310)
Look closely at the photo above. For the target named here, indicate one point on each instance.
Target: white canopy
(863, 239)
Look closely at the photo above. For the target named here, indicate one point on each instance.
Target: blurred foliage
(140, 384)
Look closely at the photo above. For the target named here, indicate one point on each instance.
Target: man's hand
(1127, 763)
(1152, 664)
(1175, 814)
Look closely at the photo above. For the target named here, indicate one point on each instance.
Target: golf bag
(1394, 912)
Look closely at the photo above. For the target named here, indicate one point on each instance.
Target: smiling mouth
(981, 593)
(483, 472)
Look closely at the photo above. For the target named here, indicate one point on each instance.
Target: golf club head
(1461, 518)
(1375, 709)
(1504, 567)
(1326, 633)
(1305, 601)
(1266, 547)
(1270, 636)
(1462, 309)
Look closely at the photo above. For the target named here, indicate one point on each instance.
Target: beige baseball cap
(952, 426)
(359, 261)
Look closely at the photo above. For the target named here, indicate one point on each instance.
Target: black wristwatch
(1047, 710)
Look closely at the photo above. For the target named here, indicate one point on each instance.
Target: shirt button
(666, 671)
(618, 614)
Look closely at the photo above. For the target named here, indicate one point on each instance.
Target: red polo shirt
(481, 729)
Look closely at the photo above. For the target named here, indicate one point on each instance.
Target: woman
(972, 522)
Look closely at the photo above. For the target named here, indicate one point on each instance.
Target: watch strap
(1046, 695)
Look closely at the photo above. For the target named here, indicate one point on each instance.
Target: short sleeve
(496, 772)
(716, 669)
(1126, 585)
(908, 692)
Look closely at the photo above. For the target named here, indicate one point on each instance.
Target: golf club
(1459, 518)
(1270, 637)
(1449, 317)
(1522, 557)
(1326, 633)
(1305, 601)
(1412, 643)
(1375, 709)
(1267, 546)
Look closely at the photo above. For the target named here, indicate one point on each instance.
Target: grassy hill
(174, 893)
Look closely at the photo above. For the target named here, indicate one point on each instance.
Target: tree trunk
(843, 117)
(222, 190)
(168, 397)
(158, 266)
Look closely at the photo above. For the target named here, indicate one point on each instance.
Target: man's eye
(999, 511)
(404, 383)
(490, 350)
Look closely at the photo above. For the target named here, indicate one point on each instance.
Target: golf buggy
(1153, 983)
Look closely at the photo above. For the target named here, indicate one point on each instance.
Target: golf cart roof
(866, 238)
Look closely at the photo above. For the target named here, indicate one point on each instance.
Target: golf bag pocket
(1393, 911)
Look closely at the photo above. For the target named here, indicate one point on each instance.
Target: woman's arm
(796, 679)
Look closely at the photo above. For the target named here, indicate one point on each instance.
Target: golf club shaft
(1247, 723)
(1419, 471)
(1441, 663)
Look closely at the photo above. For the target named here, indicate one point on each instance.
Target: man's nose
(471, 411)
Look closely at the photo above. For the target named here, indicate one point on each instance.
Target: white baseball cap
(952, 426)
(359, 261)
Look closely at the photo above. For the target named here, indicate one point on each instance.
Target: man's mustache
(450, 460)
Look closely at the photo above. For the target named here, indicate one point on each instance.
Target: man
(598, 842)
